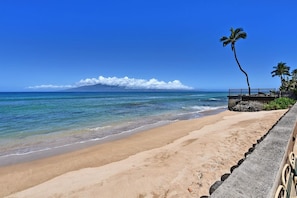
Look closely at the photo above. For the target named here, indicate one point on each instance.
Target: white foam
(214, 99)
(99, 128)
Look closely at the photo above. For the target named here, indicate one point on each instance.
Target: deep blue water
(31, 122)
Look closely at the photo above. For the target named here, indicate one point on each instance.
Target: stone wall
(248, 103)
(258, 174)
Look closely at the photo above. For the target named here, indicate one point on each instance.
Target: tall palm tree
(235, 36)
(281, 70)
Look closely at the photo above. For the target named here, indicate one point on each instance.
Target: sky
(53, 45)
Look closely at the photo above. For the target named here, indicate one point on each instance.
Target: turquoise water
(34, 122)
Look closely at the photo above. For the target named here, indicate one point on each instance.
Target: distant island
(115, 88)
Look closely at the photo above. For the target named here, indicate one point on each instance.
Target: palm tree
(234, 36)
(293, 85)
(294, 75)
(281, 70)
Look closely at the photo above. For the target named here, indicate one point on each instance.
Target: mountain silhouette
(115, 88)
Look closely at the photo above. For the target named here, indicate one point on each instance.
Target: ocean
(33, 123)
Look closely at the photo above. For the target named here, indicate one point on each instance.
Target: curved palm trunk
(247, 78)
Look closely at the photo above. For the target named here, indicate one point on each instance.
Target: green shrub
(279, 103)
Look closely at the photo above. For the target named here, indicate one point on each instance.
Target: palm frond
(234, 36)
(237, 30)
(224, 38)
(242, 35)
(226, 42)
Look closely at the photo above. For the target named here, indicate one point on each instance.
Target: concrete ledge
(259, 174)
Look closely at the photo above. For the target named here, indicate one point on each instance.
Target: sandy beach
(182, 159)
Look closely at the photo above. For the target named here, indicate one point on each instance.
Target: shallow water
(36, 122)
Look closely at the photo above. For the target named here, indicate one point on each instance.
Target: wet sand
(182, 159)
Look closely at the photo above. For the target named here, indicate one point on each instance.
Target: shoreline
(221, 138)
(63, 149)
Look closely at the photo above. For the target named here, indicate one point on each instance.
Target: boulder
(248, 106)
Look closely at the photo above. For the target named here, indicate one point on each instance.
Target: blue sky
(68, 43)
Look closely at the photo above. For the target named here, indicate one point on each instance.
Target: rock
(233, 167)
(247, 154)
(240, 162)
(251, 149)
(214, 186)
(190, 190)
(225, 176)
(248, 106)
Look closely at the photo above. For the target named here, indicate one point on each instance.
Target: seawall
(259, 174)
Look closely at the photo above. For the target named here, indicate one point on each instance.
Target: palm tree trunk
(282, 83)
(247, 78)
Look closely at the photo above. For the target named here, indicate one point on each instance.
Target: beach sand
(182, 159)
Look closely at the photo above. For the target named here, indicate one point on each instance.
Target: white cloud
(132, 83)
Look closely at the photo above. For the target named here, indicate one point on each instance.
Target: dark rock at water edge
(248, 106)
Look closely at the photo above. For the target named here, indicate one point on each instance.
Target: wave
(214, 99)
(50, 148)
(99, 128)
(204, 108)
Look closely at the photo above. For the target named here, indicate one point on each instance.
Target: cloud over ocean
(126, 82)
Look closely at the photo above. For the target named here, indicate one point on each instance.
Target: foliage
(287, 83)
(294, 74)
(279, 103)
(281, 70)
(234, 36)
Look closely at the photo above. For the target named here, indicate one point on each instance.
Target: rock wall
(258, 173)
